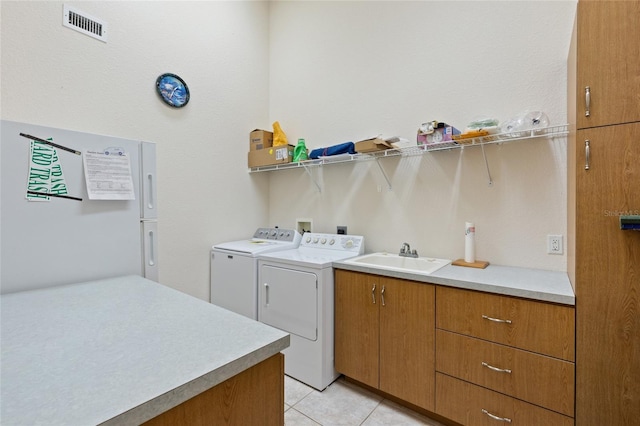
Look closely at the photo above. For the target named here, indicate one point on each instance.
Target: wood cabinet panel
(534, 326)
(252, 397)
(385, 335)
(607, 277)
(538, 379)
(407, 341)
(608, 52)
(357, 326)
(464, 403)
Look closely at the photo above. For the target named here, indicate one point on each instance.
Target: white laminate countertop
(118, 351)
(536, 284)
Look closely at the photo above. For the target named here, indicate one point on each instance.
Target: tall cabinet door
(357, 325)
(607, 276)
(407, 341)
(608, 49)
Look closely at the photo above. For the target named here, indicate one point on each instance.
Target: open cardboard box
(371, 145)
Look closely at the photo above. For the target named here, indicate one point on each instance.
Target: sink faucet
(406, 251)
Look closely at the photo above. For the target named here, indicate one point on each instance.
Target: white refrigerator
(72, 238)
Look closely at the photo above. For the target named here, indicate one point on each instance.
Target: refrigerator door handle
(152, 253)
(150, 199)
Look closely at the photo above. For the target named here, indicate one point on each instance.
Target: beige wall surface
(329, 72)
(346, 71)
(58, 77)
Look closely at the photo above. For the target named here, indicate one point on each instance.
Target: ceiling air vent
(86, 24)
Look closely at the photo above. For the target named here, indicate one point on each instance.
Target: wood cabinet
(469, 404)
(384, 335)
(534, 326)
(608, 51)
(538, 379)
(604, 180)
(607, 277)
(252, 397)
(511, 358)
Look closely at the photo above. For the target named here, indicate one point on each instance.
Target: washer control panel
(276, 234)
(350, 243)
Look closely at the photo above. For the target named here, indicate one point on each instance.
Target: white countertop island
(118, 351)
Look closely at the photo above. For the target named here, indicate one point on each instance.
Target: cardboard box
(373, 144)
(269, 156)
(260, 139)
(442, 134)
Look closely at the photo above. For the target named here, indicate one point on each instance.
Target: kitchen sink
(394, 262)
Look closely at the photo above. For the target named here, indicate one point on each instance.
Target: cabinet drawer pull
(499, 370)
(496, 319)
(587, 101)
(494, 417)
(382, 295)
(373, 294)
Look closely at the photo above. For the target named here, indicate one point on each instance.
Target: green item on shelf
(300, 151)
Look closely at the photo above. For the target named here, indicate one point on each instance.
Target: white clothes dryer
(234, 268)
(296, 291)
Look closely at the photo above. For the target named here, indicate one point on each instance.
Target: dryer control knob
(273, 234)
(332, 242)
(323, 241)
(348, 244)
(308, 239)
(315, 241)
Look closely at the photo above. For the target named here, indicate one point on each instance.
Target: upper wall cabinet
(608, 66)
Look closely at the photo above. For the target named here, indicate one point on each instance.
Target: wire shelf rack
(500, 138)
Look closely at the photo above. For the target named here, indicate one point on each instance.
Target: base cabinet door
(384, 335)
(407, 359)
(356, 327)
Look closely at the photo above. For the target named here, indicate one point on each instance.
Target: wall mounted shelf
(547, 132)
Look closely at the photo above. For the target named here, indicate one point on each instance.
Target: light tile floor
(345, 404)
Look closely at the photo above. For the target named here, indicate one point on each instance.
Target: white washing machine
(234, 268)
(296, 296)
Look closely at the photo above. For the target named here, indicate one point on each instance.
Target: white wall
(345, 71)
(329, 72)
(57, 77)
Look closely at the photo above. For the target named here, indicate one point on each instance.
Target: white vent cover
(86, 24)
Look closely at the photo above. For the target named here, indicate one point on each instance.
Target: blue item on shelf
(342, 148)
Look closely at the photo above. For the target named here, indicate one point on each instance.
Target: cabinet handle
(587, 153)
(494, 417)
(382, 295)
(373, 294)
(496, 319)
(587, 101)
(499, 370)
(266, 293)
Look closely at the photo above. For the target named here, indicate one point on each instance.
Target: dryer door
(288, 300)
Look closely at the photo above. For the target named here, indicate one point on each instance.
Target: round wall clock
(172, 90)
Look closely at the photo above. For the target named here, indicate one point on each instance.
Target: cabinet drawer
(526, 324)
(539, 379)
(473, 405)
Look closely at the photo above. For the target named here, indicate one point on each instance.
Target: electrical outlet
(554, 244)
(341, 230)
